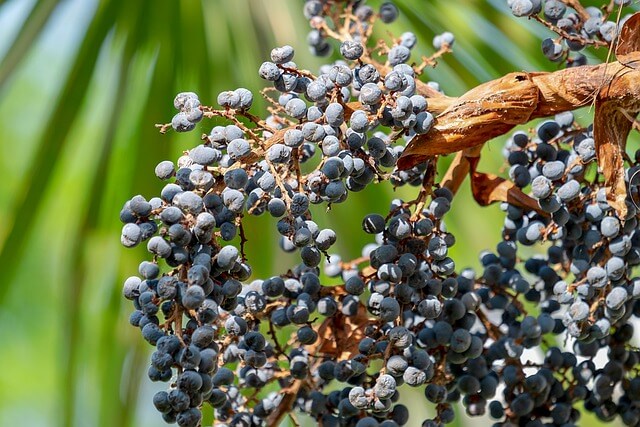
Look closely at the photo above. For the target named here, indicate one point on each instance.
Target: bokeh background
(82, 83)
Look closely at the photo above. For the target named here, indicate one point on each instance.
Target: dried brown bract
(496, 107)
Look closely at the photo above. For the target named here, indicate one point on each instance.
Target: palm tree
(81, 85)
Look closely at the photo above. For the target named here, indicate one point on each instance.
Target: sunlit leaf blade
(27, 36)
(55, 131)
(112, 411)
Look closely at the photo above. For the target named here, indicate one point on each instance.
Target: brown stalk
(459, 169)
(578, 7)
(489, 188)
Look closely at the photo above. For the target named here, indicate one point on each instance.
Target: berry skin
(370, 94)
(399, 54)
(522, 7)
(388, 12)
(269, 71)
(181, 123)
(351, 50)
(282, 55)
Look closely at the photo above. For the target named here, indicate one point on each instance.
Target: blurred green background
(82, 83)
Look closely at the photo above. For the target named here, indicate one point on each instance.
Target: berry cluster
(576, 29)
(404, 316)
(589, 239)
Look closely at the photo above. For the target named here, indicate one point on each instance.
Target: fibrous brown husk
(481, 114)
(495, 107)
(629, 42)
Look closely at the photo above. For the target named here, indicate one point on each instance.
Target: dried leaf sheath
(459, 169)
(486, 188)
(495, 107)
(629, 42)
(489, 188)
(481, 114)
(611, 129)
